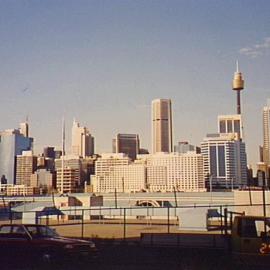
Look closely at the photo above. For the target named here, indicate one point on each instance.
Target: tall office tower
(230, 124)
(26, 165)
(12, 143)
(82, 141)
(161, 125)
(24, 129)
(225, 162)
(238, 85)
(128, 144)
(266, 133)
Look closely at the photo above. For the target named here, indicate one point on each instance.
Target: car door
(18, 242)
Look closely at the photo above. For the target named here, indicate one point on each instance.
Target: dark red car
(38, 243)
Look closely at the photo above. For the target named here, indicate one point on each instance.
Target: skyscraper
(266, 133)
(26, 165)
(24, 129)
(12, 143)
(82, 141)
(224, 160)
(161, 125)
(128, 144)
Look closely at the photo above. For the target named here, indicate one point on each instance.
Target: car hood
(66, 240)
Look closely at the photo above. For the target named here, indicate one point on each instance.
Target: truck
(245, 241)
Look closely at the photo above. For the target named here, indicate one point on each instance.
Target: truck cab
(250, 237)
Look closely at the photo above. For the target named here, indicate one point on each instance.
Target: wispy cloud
(257, 49)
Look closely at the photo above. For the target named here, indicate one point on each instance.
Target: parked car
(39, 243)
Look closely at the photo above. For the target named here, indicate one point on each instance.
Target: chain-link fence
(130, 222)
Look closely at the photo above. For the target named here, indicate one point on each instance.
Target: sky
(103, 62)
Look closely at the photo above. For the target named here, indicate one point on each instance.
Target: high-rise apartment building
(230, 124)
(225, 162)
(73, 165)
(167, 172)
(82, 143)
(115, 172)
(26, 165)
(161, 172)
(161, 126)
(12, 143)
(70, 181)
(128, 144)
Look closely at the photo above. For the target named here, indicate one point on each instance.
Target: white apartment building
(161, 172)
(167, 172)
(115, 172)
(224, 160)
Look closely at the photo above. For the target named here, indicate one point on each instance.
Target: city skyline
(104, 63)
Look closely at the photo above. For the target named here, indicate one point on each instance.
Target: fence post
(10, 216)
(168, 221)
(221, 219)
(124, 224)
(82, 228)
(47, 219)
(225, 220)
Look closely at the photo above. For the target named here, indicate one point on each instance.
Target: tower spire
(238, 85)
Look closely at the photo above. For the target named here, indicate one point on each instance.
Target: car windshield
(41, 231)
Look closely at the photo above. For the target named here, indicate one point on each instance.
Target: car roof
(18, 224)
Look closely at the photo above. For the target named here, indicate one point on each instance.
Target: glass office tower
(12, 143)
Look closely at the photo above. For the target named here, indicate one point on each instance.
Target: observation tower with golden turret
(238, 85)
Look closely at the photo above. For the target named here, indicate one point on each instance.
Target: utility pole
(63, 154)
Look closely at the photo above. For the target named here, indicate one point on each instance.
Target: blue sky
(103, 62)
